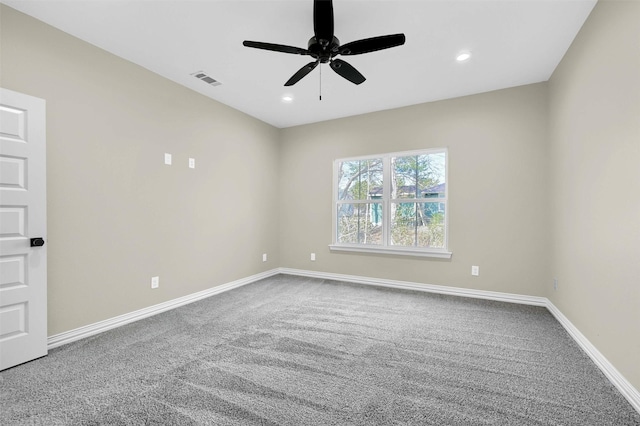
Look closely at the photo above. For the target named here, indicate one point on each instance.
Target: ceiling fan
(324, 46)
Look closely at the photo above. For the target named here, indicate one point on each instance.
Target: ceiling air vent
(204, 77)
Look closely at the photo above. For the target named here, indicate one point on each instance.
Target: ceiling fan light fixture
(287, 99)
(463, 56)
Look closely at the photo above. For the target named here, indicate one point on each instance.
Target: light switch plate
(167, 159)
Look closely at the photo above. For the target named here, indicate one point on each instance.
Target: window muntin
(393, 202)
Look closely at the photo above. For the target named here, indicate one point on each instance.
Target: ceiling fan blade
(323, 20)
(301, 73)
(372, 44)
(347, 71)
(276, 47)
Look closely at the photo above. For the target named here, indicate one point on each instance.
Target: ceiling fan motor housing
(322, 49)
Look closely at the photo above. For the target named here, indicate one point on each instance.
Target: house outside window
(392, 203)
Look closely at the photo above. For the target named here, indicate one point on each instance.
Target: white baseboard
(98, 327)
(626, 389)
(430, 288)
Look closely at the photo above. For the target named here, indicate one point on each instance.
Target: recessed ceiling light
(287, 99)
(463, 56)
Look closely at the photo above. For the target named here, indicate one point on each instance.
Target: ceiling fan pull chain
(321, 82)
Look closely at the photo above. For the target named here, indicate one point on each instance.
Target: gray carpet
(299, 351)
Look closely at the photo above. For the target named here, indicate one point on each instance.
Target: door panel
(23, 269)
(13, 123)
(12, 271)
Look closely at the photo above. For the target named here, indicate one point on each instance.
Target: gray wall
(498, 187)
(116, 214)
(595, 165)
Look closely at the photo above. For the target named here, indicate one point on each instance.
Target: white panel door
(23, 217)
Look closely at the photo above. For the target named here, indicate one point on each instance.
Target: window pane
(403, 224)
(418, 176)
(431, 233)
(418, 224)
(360, 223)
(360, 179)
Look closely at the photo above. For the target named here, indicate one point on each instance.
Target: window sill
(401, 251)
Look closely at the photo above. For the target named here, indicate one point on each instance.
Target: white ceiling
(513, 42)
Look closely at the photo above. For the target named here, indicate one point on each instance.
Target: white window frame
(385, 247)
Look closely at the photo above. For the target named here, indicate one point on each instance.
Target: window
(393, 203)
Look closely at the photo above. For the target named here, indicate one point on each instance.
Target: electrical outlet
(313, 256)
(555, 283)
(264, 257)
(475, 271)
(155, 282)
(192, 163)
(167, 159)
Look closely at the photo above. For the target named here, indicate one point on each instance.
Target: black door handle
(37, 242)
